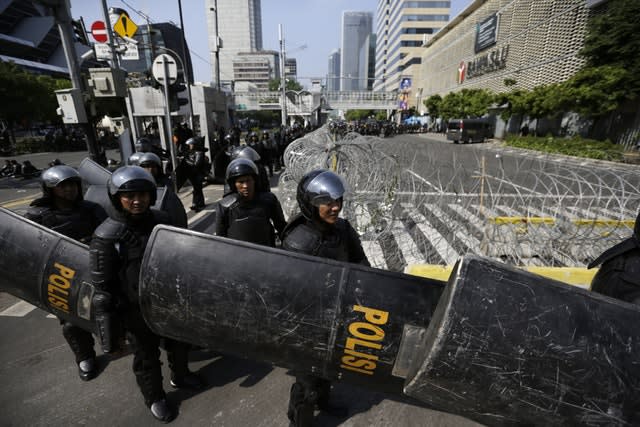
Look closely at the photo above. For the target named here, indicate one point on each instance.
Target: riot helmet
(128, 179)
(196, 142)
(144, 145)
(318, 187)
(147, 159)
(56, 175)
(245, 152)
(240, 167)
(134, 159)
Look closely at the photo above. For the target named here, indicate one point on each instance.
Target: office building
(333, 72)
(290, 69)
(239, 28)
(527, 43)
(402, 27)
(354, 66)
(253, 70)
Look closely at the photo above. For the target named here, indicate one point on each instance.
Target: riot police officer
(196, 162)
(318, 230)
(246, 214)
(269, 151)
(171, 203)
(115, 255)
(619, 276)
(246, 152)
(62, 209)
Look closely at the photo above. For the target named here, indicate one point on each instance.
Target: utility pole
(185, 73)
(63, 20)
(216, 65)
(283, 82)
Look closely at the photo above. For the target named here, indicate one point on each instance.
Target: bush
(575, 146)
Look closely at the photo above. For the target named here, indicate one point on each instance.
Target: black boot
(87, 369)
(302, 402)
(190, 380)
(161, 411)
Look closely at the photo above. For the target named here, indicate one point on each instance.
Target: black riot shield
(46, 269)
(507, 347)
(92, 173)
(331, 319)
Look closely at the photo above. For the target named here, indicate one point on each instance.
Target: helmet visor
(326, 188)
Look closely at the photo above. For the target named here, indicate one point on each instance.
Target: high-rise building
(333, 73)
(290, 69)
(356, 32)
(402, 27)
(239, 28)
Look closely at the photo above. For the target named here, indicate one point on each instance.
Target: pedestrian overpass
(306, 103)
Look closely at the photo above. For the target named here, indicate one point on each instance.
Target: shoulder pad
(229, 200)
(302, 239)
(161, 217)
(266, 196)
(619, 249)
(110, 229)
(35, 212)
(42, 202)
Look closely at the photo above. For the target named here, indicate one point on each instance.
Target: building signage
(494, 60)
(405, 88)
(486, 33)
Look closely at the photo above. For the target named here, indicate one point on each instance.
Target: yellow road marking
(502, 220)
(576, 276)
(18, 202)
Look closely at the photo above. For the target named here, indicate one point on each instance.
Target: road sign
(99, 31)
(163, 77)
(125, 27)
(102, 51)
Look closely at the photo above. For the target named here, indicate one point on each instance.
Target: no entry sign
(99, 31)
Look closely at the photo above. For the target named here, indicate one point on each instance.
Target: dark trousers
(146, 357)
(80, 341)
(307, 392)
(198, 195)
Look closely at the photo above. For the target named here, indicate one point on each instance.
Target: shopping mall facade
(529, 42)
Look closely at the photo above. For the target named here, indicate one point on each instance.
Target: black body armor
(619, 276)
(339, 242)
(254, 221)
(78, 223)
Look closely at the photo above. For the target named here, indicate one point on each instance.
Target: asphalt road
(39, 379)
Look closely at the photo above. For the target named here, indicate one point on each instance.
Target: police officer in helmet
(318, 230)
(196, 164)
(116, 252)
(246, 213)
(246, 152)
(619, 276)
(62, 209)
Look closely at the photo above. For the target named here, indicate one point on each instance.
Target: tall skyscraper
(402, 26)
(333, 73)
(239, 28)
(356, 32)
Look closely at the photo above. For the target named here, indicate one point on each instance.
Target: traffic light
(79, 31)
(175, 99)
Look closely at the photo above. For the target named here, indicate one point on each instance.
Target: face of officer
(246, 186)
(135, 202)
(329, 211)
(65, 193)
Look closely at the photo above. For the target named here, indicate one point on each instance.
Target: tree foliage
(27, 97)
(274, 85)
(464, 104)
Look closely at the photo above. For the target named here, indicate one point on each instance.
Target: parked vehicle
(469, 130)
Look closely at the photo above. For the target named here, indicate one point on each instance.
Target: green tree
(359, 114)
(433, 104)
(274, 85)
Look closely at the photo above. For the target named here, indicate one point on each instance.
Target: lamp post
(283, 82)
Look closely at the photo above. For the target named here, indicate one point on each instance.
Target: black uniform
(254, 221)
(78, 223)
(195, 161)
(619, 276)
(340, 242)
(116, 253)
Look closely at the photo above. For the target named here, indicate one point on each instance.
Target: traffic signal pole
(167, 127)
(65, 27)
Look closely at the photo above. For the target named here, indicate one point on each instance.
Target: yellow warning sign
(125, 27)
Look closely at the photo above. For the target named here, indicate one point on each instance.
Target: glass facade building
(402, 27)
(333, 72)
(356, 33)
(239, 28)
